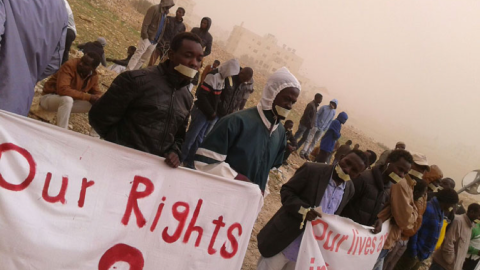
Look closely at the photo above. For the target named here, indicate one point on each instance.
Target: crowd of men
(149, 109)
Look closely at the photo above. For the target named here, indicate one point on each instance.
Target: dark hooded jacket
(370, 197)
(146, 109)
(333, 133)
(205, 36)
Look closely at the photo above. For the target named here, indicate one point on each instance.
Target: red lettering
(83, 192)
(157, 216)
(132, 204)
(363, 241)
(181, 216)
(233, 241)
(191, 227)
(356, 244)
(218, 225)
(380, 245)
(122, 253)
(367, 246)
(325, 245)
(344, 237)
(31, 163)
(353, 242)
(325, 227)
(373, 245)
(60, 196)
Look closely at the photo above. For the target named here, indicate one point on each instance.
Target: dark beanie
(448, 196)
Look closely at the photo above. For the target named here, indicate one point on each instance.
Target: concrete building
(262, 53)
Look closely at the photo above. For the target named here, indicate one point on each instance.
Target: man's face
(245, 75)
(190, 54)
(179, 14)
(400, 146)
(85, 66)
(472, 215)
(332, 105)
(352, 165)
(215, 65)
(204, 24)
(401, 167)
(318, 100)
(285, 99)
(289, 126)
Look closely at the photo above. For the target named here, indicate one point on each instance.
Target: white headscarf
(227, 69)
(279, 80)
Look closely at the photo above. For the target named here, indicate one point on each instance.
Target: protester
(148, 109)
(204, 112)
(433, 178)
(372, 188)
(119, 66)
(232, 93)
(95, 47)
(32, 43)
(342, 150)
(73, 89)
(330, 138)
(71, 33)
(451, 254)
(372, 157)
(473, 254)
(312, 185)
(204, 35)
(153, 29)
(247, 89)
(384, 155)
(208, 69)
(245, 145)
(323, 120)
(174, 26)
(291, 142)
(307, 122)
(421, 245)
(414, 177)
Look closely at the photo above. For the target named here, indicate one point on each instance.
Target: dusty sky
(404, 70)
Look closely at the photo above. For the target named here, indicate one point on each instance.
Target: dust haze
(403, 70)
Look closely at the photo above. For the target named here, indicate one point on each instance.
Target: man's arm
(104, 60)
(123, 62)
(96, 87)
(65, 76)
(319, 116)
(147, 21)
(111, 107)
(448, 247)
(403, 212)
(56, 58)
(291, 191)
(208, 47)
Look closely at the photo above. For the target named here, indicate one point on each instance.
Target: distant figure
(73, 89)
(356, 147)
(384, 155)
(247, 91)
(71, 33)
(342, 150)
(291, 142)
(153, 29)
(330, 138)
(307, 122)
(208, 69)
(372, 157)
(453, 251)
(119, 66)
(96, 47)
(323, 120)
(174, 26)
(247, 144)
(32, 43)
(205, 36)
(232, 93)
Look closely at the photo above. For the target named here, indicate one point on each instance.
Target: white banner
(336, 243)
(69, 201)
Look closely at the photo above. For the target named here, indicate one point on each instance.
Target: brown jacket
(455, 245)
(67, 82)
(401, 209)
(152, 19)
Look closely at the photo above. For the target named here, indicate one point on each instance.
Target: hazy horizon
(405, 70)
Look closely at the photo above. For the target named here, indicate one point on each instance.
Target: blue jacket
(324, 117)
(333, 133)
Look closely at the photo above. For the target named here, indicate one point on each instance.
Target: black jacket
(207, 100)
(306, 189)
(145, 109)
(231, 97)
(172, 28)
(205, 36)
(309, 115)
(370, 197)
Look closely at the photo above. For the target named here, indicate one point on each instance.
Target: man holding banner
(313, 185)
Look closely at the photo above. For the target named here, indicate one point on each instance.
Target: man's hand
(377, 227)
(94, 98)
(312, 215)
(172, 160)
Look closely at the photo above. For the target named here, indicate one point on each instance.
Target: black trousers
(68, 43)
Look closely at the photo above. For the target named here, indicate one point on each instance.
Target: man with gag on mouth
(247, 144)
(148, 109)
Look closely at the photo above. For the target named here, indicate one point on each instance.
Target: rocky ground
(118, 22)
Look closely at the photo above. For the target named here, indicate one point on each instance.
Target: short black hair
(475, 207)
(349, 142)
(373, 157)
(448, 196)
(216, 62)
(132, 48)
(288, 122)
(182, 9)
(420, 186)
(450, 180)
(178, 40)
(318, 95)
(396, 155)
(96, 58)
(361, 155)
